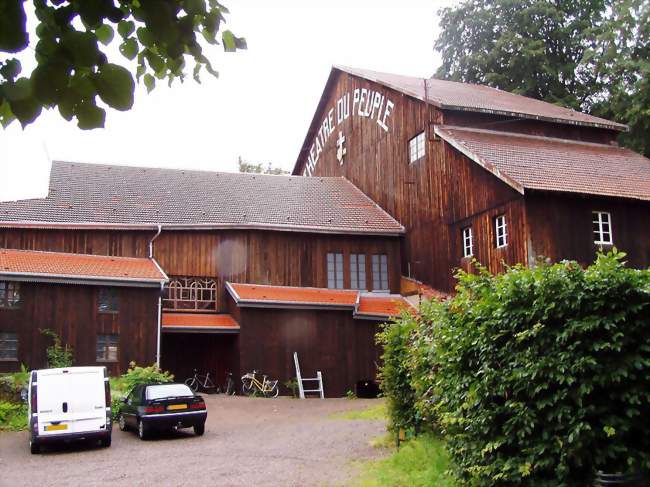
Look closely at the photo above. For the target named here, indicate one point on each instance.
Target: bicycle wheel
(192, 383)
(247, 387)
(273, 391)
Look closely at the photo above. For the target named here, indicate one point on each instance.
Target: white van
(69, 404)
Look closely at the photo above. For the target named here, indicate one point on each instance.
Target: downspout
(162, 287)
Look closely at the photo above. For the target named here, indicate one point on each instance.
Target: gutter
(76, 279)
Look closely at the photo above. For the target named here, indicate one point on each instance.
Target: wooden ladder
(301, 386)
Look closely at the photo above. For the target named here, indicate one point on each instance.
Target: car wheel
(143, 431)
(122, 423)
(199, 429)
(105, 442)
(34, 447)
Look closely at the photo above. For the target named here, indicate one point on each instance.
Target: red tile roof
(198, 322)
(103, 195)
(255, 293)
(453, 95)
(381, 306)
(49, 265)
(550, 164)
(363, 305)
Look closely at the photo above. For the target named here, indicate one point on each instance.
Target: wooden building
(475, 172)
(204, 230)
(399, 182)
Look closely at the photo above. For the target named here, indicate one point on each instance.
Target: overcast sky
(259, 108)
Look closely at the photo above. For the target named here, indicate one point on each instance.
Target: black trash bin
(367, 389)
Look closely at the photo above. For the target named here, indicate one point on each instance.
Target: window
(8, 346)
(468, 242)
(334, 270)
(108, 300)
(416, 147)
(500, 231)
(9, 294)
(602, 228)
(191, 293)
(107, 347)
(380, 272)
(358, 271)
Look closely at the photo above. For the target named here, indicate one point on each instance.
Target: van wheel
(122, 423)
(34, 447)
(143, 431)
(199, 429)
(105, 442)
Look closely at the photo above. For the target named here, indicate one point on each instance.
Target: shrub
(121, 386)
(13, 416)
(57, 355)
(394, 375)
(541, 376)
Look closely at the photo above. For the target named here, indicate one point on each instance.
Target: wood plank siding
(443, 192)
(249, 256)
(342, 348)
(71, 311)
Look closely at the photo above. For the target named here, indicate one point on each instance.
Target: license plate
(56, 427)
(177, 406)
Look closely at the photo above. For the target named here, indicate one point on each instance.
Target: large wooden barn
(133, 264)
(399, 182)
(475, 172)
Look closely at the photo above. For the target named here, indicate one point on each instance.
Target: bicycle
(200, 381)
(229, 386)
(251, 385)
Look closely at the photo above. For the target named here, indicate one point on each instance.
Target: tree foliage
(72, 56)
(245, 166)
(590, 55)
(538, 376)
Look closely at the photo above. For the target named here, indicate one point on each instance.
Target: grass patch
(418, 463)
(377, 412)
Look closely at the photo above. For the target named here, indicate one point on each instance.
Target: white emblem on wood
(340, 150)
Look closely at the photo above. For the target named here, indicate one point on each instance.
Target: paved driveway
(247, 442)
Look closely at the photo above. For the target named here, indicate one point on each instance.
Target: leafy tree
(250, 167)
(73, 67)
(590, 55)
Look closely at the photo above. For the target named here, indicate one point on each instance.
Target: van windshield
(168, 390)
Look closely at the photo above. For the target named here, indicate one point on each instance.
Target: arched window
(191, 293)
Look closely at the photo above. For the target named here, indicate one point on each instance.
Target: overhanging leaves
(160, 35)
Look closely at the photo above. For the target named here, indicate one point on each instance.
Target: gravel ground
(247, 442)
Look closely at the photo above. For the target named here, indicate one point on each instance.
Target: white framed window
(334, 270)
(9, 294)
(380, 272)
(468, 242)
(8, 346)
(602, 224)
(500, 231)
(417, 147)
(358, 271)
(107, 348)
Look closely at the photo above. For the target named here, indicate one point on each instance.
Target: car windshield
(168, 390)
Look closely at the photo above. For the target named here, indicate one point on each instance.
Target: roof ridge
(533, 137)
(177, 170)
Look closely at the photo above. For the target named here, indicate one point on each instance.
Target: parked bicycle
(201, 381)
(229, 386)
(251, 385)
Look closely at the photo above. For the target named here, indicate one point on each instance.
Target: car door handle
(65, 407)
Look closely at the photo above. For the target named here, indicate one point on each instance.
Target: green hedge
(535, 377)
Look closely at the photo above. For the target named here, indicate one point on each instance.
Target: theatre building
(475, 172)
(214, 271)
(399, 182)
